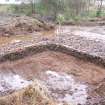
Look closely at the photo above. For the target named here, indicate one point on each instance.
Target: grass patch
(5, 8)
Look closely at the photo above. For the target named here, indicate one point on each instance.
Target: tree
(99, 8)
(32, 3)
(54, 6)
(76, 7)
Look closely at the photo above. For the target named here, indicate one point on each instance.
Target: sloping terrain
(65, 77)
(65, 62)
(21, 25)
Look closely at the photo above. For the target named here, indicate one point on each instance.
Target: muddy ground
(76, 77)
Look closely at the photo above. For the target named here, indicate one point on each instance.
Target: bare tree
(54, 6)
(100, 8)
(32, 3)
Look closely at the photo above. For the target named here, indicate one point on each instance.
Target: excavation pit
(68, 79)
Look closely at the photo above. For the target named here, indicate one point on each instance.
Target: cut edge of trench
(41, 47)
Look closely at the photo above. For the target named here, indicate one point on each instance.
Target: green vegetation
(68, 10)
(5, 8)
(21, 9)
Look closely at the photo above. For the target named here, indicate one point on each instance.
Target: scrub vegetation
(68, 10)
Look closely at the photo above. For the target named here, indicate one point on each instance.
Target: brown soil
(83, 71)
(22, 25)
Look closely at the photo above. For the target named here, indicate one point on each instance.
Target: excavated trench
(68, 78)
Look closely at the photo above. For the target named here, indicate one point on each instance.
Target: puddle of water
(48, 33)
(12, 39)
(11, 82)
(17, 38)
(64, 88)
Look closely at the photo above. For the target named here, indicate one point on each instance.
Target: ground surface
(56, 68)
(21, 25)
(89, 40)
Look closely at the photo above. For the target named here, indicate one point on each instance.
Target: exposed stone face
(20, 53)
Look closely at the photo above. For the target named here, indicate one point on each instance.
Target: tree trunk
(100, 8)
